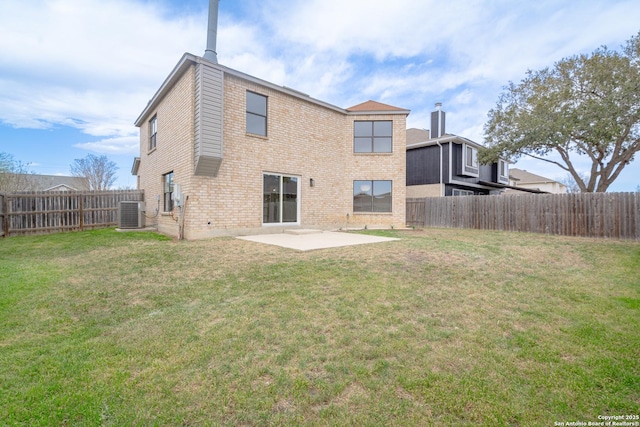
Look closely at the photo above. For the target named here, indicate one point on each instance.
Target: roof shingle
(374, 106)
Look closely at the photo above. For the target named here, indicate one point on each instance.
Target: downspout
(183, 213)
(438, 143)
(440, 168)
(440, 146)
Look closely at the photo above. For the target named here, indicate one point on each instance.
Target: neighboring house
(33, 182)
(238, 155)
(441, 164)
(521, 180)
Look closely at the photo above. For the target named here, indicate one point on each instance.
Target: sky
(75, 74)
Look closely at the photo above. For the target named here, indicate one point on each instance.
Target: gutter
(440, 168)
(189, 59)
(184, 63)
(498, 185)
(438, 141)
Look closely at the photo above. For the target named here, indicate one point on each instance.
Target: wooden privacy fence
(52, 212)
(609, 215)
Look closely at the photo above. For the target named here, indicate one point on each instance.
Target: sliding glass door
(280, 196)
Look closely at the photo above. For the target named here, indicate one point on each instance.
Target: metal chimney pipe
(437, 121)
(212, 32)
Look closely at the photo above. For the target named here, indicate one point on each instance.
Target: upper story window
(372, 136)
(503, 171)
(470, 160)
(471, 157)
(167, 185)
(256, 114)
(372, 196)
(153, 132)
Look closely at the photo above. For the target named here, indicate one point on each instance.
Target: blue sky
(75, 74)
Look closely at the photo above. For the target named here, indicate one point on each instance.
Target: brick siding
(304, 139)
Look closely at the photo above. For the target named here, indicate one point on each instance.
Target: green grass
(443, 327)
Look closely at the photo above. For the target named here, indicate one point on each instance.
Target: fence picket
(602, 215)
(51, 212)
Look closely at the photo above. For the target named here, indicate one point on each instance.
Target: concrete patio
(308, 240)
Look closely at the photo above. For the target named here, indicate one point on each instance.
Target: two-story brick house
(250, 156)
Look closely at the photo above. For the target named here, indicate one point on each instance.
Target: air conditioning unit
(131, 214)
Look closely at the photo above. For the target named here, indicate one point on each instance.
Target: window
(372, 136)
(471, 157)
(503, 171)
(279, 199)
(256, 114)
(167, 185)
(372, 196)
(456, 192)
(153, 131)
(470, 160)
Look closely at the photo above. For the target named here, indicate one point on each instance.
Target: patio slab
(309, 240)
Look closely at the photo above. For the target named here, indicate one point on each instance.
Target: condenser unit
(131, 214)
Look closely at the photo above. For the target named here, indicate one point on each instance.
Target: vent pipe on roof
(437, 121)
(212, 32)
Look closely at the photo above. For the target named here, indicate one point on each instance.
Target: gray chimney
(212, 33)
(437, 121)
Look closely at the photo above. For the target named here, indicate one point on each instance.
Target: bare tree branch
(13, 174)
(99, 170)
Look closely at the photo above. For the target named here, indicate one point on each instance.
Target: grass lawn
(443, 327)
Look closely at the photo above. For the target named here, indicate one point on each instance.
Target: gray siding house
(441, 164)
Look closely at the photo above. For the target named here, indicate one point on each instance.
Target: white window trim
(165, 192)
(501, 177)
(466, 169)
(298, 205)
(462, 192)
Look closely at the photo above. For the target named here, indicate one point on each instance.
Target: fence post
(4, 210)
(424, 221)
(81, 213)
(636, 204)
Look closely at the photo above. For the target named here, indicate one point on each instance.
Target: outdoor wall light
(312, 183)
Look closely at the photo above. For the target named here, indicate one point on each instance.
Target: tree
(13, 174)
(99, 170)
(586, 105)
(571, 184)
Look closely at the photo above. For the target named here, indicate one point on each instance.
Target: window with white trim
(470, 160)
(503, 171)
(167, 185)
(280, 199)
(456, 192)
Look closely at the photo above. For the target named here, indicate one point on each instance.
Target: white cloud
(94, 64)
(119, 145)
(91, 42)
(89, 64)
(402, 28)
